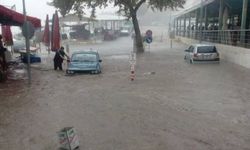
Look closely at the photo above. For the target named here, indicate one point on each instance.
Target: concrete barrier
(237, 55)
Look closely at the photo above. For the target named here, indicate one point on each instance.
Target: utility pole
(27, 41)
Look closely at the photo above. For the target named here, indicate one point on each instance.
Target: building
(217, 21)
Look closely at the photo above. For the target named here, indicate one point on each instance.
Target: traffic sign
(149, 33)
(149, 39)
(28, 30)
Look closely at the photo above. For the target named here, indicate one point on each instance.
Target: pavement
(171, 104)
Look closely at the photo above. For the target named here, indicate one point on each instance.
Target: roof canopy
(193, 7)
(13, 18)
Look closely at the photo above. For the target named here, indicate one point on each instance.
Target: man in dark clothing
(59, 57)
(3, 63)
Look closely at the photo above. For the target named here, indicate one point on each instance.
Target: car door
(189, 54)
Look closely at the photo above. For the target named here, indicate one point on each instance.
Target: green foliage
(64, 6)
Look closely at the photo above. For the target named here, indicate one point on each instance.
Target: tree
(64, 6)
(128, 8)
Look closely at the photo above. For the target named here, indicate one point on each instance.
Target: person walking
(59, 57)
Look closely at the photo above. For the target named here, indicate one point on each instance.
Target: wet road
(181, 106)
(119, 46)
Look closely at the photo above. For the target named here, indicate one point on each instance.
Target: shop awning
(13, 18)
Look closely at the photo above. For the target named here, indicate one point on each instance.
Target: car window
(84, 58)
(191, 49)
(206, 49)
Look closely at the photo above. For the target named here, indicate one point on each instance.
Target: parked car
(125, 31)
(84, 61)
(109, 35)
(34, 58)
(202, 52)
(18, 45)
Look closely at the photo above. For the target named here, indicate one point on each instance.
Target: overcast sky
(39, 8)
(36, 8)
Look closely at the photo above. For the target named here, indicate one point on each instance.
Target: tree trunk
(138, 38)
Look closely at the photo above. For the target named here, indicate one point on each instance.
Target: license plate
(205, 56)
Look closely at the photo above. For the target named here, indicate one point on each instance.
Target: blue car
(84, 61)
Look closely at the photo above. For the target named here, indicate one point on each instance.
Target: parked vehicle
(125, 31)
(109, 35)
(202, 52)
(85, 61)
(18, 45)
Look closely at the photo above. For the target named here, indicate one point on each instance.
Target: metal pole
(185, 26)
(189, 24)
(243, 22)
(27, 43)
(196, 24)
(170, 21)
(206, 18)
(201, 20)
(177, 27)
(221, 10)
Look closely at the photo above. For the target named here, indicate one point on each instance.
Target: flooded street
(178, 106)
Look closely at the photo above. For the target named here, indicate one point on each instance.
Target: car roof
(85, 52)
(200, 45)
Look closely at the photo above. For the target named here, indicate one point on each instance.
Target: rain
(109, 95)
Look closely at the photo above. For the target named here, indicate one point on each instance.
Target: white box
(68, 139)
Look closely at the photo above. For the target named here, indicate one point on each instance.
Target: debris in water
(149, 73)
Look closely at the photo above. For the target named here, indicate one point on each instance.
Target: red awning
(13, 18)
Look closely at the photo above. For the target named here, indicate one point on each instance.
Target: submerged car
(84, 61)
(202, 52)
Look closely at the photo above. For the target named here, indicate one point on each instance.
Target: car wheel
(185, 57)
(69, 72)
(98, 70)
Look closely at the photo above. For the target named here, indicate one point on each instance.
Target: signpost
(26, 35)
(149, 40)
(149, 37)
(171, 36)
(28, 30)
(149, 33)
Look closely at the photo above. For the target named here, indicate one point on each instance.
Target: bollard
(132, 61)
(132, 75)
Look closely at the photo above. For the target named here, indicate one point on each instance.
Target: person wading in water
(59, 57)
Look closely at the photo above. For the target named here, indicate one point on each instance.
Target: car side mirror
(100, 60)
(187, 50)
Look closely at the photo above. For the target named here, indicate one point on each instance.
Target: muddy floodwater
(171, 104)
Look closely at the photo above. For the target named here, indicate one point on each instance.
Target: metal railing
(239, 38)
